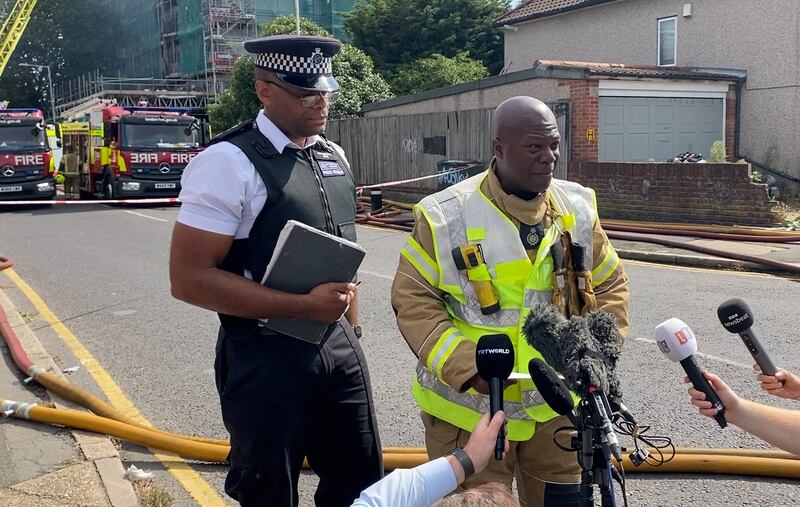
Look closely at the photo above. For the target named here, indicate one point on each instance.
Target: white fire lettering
(37, 159)
(144, 158)
(181, 158)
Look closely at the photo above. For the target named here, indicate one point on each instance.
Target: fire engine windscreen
(159, 133)
(21, 137)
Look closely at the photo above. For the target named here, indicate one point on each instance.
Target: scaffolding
(203, 38)
(95, 87)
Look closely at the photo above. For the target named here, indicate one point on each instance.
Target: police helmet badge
(316, 56)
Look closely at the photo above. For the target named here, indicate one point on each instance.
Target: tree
(238, 103)
(436, 71)
(57, 35)
(352, 68)
(398, 32)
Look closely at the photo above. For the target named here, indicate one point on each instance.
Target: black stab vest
(313, 185)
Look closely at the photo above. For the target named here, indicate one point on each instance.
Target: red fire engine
(133, 151)
(26, 160)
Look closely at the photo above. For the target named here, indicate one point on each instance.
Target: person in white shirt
(283, 399)
(430, 482)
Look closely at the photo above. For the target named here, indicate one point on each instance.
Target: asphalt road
(104, 272)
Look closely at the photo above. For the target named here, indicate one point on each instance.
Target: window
(667, 41)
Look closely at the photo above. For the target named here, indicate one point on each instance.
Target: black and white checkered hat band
(315, 64)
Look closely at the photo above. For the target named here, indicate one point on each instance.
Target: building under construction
(179, 53)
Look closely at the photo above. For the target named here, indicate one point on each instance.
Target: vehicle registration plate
(165, 185)
(10, 189)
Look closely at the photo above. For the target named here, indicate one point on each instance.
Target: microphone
(541, 331)
(578, 353)
(494, 357)
(603, 327)
(736, 317)
(552, 389)
(676, 340)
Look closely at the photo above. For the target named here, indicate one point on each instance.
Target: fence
(393, 148)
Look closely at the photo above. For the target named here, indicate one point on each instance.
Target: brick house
(760, 38)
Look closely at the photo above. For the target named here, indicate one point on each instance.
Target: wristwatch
(357, 331)
(463, 458)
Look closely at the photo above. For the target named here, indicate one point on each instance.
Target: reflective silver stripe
(611, 264)
(443, 348)
(532, 398)
(473, 314)
(478, 403)
(533, 296)
(421, 263)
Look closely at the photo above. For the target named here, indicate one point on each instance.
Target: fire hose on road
(107, 420)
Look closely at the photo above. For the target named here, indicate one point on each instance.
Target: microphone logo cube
(675, 339)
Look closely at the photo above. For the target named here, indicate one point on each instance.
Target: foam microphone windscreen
(552, 389)
(603, 327)
(735, 315)
(541, 331)
(585, 361)
(494, 356)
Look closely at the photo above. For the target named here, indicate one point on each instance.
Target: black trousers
(284, 399)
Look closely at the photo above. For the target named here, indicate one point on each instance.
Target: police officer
(542, 243)
(282, 399)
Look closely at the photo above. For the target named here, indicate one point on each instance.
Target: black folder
(305, 257)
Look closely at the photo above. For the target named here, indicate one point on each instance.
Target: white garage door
(640, 129)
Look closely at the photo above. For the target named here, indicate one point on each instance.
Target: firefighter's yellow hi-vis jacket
(436, 305)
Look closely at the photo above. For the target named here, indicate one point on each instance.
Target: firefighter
(282, 398)
(71, 173)
(482, 252)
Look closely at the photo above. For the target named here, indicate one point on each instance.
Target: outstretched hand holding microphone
(776, 426)
(676, 340)
(737, 317)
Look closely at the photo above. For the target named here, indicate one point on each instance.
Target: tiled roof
(534, 9)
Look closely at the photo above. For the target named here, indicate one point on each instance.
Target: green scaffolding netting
(192, 20)
(184, 49)
(139, 41)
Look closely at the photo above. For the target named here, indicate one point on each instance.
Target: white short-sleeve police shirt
(222, 192)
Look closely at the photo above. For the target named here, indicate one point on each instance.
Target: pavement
(52, 466)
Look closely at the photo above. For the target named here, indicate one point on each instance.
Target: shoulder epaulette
(233, 131)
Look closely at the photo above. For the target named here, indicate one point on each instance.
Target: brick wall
(697, 193)
(585, 114)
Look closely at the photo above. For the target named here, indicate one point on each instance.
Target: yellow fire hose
(109, 421)
(751, 462)
(66, 390)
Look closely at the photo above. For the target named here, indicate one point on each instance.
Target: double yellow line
(186, 476)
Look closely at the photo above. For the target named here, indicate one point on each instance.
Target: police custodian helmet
(299, 60)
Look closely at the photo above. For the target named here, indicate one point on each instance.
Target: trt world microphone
(552, 389)
(736, 317)
(494, 357)
(676, 340)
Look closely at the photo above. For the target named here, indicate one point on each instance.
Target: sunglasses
(309, 99)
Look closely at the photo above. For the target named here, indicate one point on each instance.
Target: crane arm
(13, 28)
